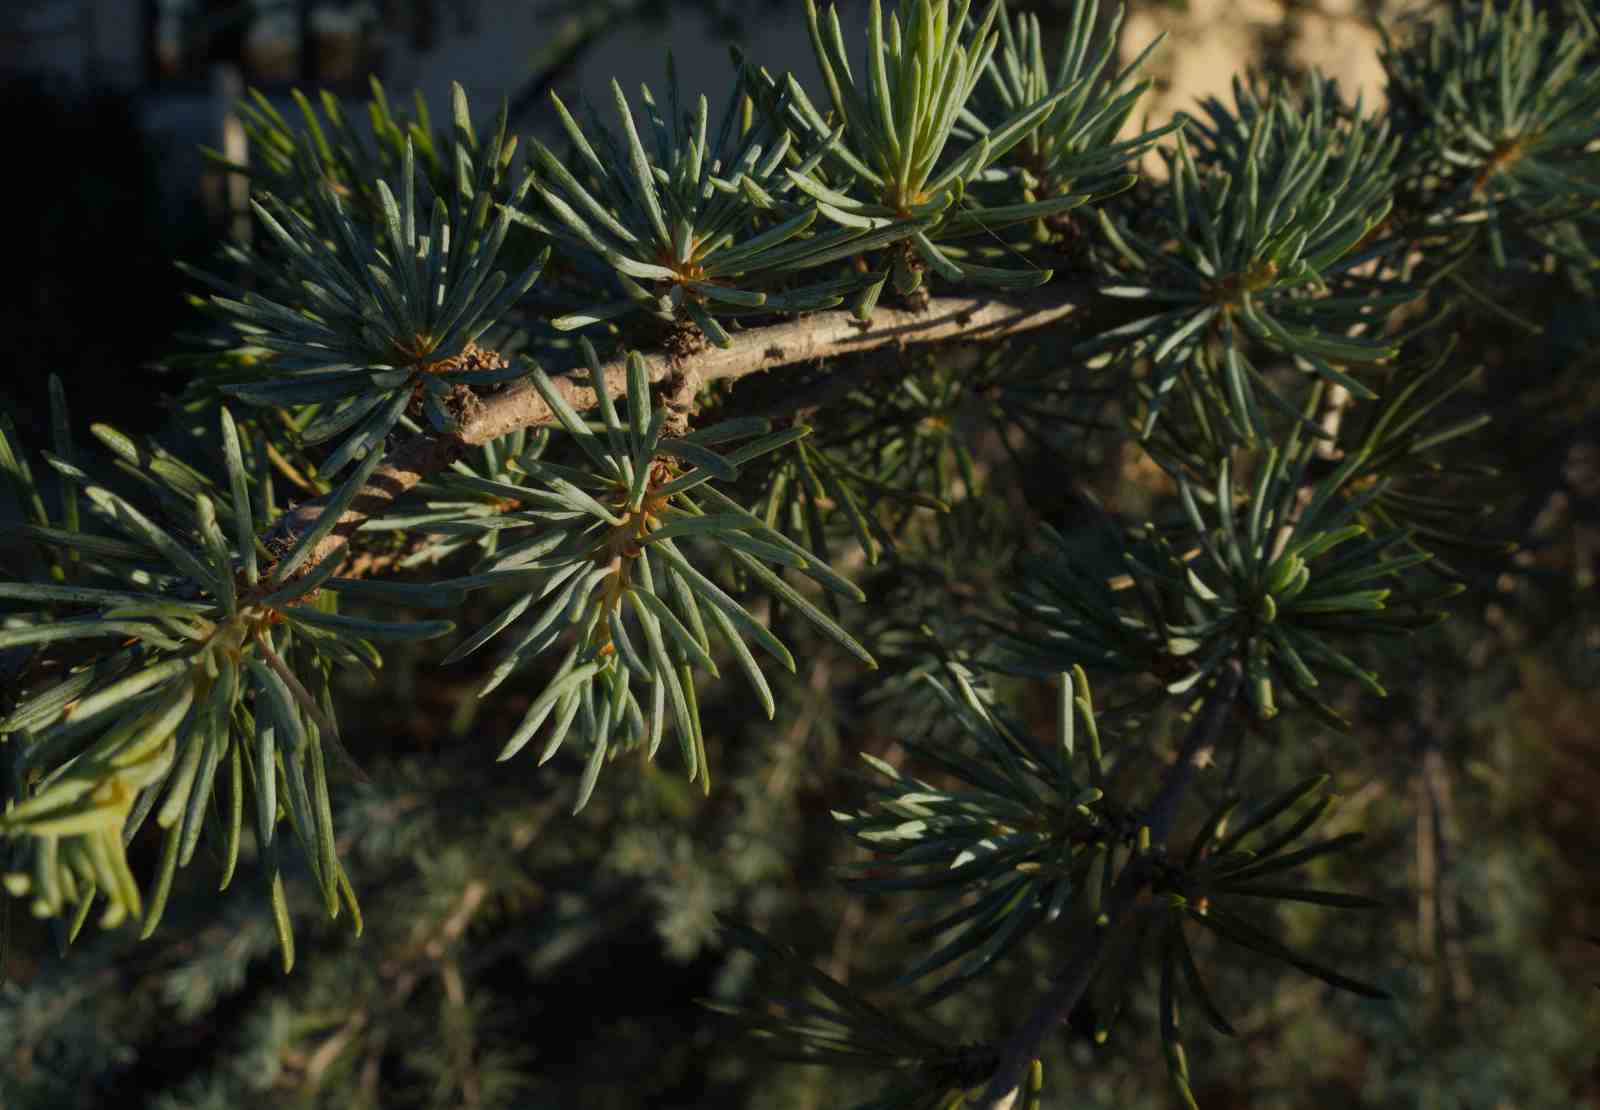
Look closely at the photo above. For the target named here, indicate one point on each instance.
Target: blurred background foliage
(519, 956)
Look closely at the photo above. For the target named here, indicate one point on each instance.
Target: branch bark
(1022, 1047)
(808, 338)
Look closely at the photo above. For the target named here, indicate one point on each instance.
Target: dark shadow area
(96, 298)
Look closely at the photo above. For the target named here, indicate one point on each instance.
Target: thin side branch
(808, 338)
(1022, 1047)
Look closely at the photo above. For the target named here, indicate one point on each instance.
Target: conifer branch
(1023, 1044)
(816, 336)
(1274, 283)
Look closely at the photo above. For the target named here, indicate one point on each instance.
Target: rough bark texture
(805, 339)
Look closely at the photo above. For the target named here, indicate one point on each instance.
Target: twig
(1198, 744)
(1022, 1047)
(808, 338)
(1335, 403)
(332, 1048)
(404, 977)
(1438, 915)
(433, 947)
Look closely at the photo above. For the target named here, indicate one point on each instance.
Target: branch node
(682, 392)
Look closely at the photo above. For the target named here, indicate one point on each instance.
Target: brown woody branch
(809, 338)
